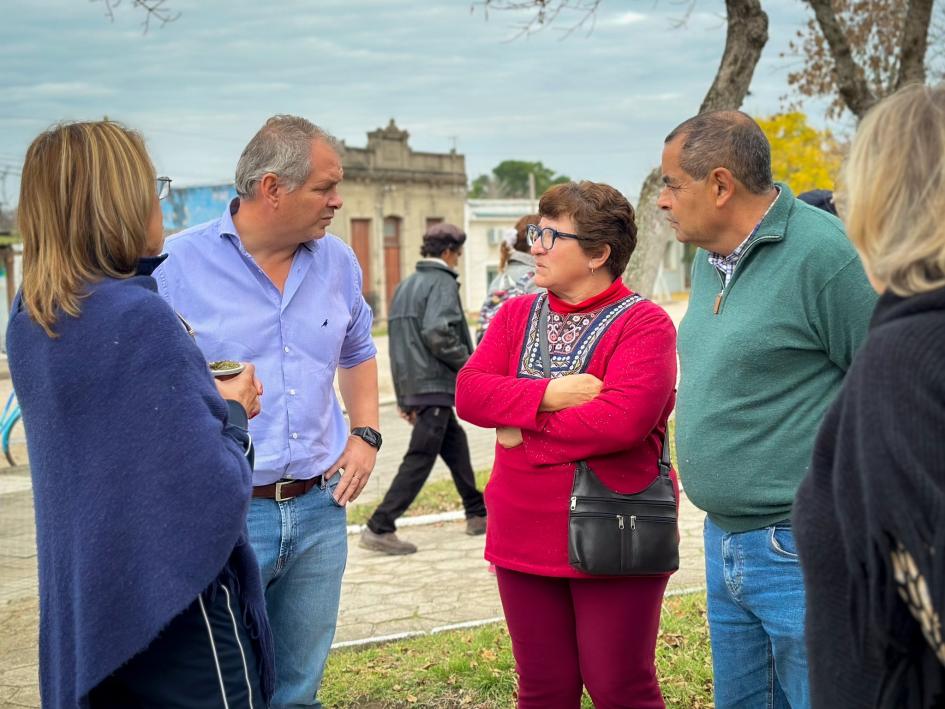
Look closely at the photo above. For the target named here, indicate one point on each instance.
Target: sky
(591, 105)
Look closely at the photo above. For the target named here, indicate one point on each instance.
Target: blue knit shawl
(140, 491)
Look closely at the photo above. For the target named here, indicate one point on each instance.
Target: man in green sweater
(778, 307)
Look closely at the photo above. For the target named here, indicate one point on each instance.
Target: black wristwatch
(368, 435)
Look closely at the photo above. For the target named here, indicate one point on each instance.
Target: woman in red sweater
(613, 361)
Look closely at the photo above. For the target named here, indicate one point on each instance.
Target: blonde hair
(86, 196)
(894, 181)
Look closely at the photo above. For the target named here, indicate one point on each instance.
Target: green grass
(475, 668)
(437, 496)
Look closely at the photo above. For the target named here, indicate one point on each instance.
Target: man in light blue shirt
(266, 284)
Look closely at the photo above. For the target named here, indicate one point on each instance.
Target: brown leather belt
(286, 489)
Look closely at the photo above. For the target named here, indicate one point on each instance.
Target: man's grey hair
(283, 147)
(729, 139)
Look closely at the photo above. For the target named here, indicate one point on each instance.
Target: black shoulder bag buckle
(613, 534)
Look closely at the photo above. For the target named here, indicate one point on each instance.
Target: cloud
(596, 104)
(623, 19)
(60, 89)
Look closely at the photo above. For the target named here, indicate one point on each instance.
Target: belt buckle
(279, 486)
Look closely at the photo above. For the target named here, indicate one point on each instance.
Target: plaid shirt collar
(726, 264)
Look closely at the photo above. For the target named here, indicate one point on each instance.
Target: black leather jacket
(429, 337)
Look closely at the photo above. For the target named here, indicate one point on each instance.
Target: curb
(465, 625)
(418, 521)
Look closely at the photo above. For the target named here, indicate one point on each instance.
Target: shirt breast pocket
(326, 339)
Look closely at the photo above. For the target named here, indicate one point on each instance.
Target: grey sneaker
(475, 526)
(386, 543)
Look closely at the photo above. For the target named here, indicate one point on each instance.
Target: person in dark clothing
(870, 515)
(150, 595)
(822, 199)
(429, 344)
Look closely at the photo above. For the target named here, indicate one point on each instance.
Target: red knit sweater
(619, 433)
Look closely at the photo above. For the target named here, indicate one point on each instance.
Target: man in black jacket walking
(429, 343)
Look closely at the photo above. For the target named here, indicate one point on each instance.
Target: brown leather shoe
(475, 525)
(386, 543)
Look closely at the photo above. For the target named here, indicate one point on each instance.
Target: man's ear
(722, 184)
(269, 189)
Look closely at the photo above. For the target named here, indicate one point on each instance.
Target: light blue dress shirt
(296, 338)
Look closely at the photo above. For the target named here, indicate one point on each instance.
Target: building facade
(391, 195)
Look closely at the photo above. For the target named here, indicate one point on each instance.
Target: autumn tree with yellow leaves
(802, 156)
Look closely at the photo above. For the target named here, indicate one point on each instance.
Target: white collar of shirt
(434, 259)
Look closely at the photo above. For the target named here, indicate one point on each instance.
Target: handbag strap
(543, 336)
(665, 461)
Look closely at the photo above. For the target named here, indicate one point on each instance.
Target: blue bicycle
(10, 417)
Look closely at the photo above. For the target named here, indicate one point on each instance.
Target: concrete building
(391, 195)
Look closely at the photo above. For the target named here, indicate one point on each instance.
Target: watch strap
(369, 435)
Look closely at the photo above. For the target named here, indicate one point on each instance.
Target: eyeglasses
(547, 236)
(163, 187)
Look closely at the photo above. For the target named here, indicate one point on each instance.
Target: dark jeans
(598, 633)
(203, 658)
(436, 432)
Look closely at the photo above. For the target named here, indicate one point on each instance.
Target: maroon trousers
(573, 633)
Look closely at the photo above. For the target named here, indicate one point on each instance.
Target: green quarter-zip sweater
(762, 358)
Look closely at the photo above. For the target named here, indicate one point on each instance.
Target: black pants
(202, 656)
(436, 432)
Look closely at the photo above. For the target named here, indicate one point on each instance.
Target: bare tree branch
(683, 21)
(851, 83)
(914, 42)
(545, 13)
(745, 38)
(153, 10)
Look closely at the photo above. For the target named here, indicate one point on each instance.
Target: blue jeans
(302, 547)
(756, 618)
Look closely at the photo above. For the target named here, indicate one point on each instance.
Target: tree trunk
(851, 83)
(745, 38)
(913, 43)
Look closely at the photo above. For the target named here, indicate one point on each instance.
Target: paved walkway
(445, 584)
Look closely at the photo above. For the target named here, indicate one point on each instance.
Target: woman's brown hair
(600, 214)
(86, 196)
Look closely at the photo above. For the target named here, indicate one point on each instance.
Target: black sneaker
(475, 525)
(386, 543)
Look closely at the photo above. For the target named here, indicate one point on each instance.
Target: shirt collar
(438, 261)
(716, 258)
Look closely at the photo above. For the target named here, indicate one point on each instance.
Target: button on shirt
(296, 338)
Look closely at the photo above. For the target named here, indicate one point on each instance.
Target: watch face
(369, 435)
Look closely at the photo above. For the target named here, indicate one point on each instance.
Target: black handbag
(613, 534)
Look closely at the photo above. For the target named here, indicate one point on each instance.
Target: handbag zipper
(622, 519)
(663, 503)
